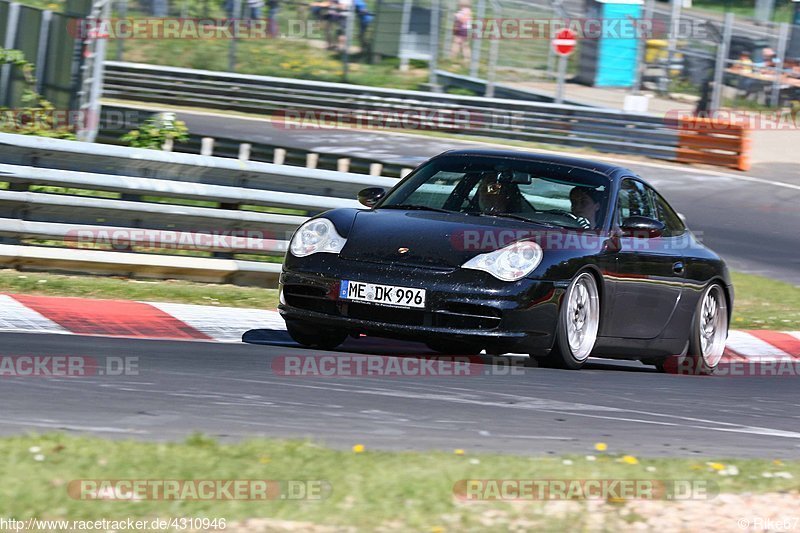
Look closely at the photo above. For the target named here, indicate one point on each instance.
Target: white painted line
(223, 324)
(14, 316)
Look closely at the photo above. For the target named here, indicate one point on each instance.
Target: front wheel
(578, 323)
(311, 337)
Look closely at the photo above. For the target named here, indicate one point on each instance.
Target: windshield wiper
(414, 207)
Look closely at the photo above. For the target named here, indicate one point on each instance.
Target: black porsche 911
(556, 257)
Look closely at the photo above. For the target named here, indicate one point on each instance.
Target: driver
(585, 205)
(497, 197)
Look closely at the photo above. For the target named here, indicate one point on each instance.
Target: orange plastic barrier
(712, 142)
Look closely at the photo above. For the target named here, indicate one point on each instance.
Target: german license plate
(382, 294)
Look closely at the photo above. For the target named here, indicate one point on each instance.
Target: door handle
(678, 268)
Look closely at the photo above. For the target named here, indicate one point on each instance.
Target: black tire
(580, 306)
(705, 344)
(314, 337)
(705, 353)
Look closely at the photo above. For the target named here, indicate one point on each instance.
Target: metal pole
(123, 13)
(237, 15)
(477, 40)
(672, 42)
(11, 36)
(405, 21)
(348, 37)
(783, 42)
(434, 63)
(41, 49)
(562, 73)
(764, 10)
(641, 46)
(448, 34)
(722, 58)
(96, 89)
(494, 48)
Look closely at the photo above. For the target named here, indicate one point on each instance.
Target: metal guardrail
(570, 125)
(94, 208)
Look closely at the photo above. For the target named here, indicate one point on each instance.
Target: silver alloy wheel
(582, 316)
(713, 325)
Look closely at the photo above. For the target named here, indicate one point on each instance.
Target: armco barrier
(103, 209)
(569, 125)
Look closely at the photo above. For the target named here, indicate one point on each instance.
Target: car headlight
(318, 235)
(511, 263)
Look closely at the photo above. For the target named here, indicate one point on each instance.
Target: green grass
(289, 58)
(406, 490)
(762, 303)
(12, 281)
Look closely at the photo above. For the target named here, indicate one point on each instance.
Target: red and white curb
(170, 321)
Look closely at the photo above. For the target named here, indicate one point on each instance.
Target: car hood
(432, 239)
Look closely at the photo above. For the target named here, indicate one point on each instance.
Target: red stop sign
(564, 43)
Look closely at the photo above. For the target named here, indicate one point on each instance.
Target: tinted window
(633, 200)
(538, 191)
(667, 215)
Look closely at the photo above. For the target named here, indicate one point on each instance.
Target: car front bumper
(461, 304)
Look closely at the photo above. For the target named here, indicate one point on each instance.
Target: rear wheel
(709, 330)
(315, 337)
(706, 339)
(578, 323)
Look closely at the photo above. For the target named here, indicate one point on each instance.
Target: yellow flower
(601, 446)
(777, 462)
(629, 459)
(458, 451)
(716, 466)
(437, 529)
(358, 448)
(264, 460)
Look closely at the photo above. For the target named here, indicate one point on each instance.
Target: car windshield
(541, 192)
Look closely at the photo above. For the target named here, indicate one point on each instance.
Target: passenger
(586, 204)
(497, 197)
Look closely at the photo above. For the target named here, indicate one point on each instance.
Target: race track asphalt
(231, 391)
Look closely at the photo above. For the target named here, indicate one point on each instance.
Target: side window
(633, 200)
(667, 215)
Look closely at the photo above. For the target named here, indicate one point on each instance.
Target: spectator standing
(254, 8)
(461, 25)
(364, 20)
(272, 15)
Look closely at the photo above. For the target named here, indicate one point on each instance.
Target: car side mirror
(371, 195)
(642, 227)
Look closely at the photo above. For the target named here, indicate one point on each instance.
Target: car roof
(608, 169)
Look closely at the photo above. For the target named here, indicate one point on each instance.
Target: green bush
(156, 131)
(36, 116)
